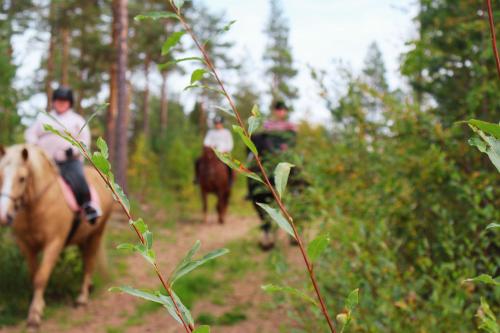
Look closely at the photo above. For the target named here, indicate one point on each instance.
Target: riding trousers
(72, 173)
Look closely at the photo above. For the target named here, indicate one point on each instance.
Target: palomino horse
(214, 178)
(33, 202)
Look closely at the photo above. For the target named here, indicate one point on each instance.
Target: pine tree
(278, 55)
(452, 62)
(374, 69)
(209, 27)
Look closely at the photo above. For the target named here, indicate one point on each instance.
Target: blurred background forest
(393, 179)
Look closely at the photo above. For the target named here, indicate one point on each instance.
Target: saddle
(70, 198)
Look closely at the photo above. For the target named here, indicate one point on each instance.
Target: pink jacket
(52, 144)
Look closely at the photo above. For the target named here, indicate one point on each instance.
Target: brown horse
(214, 178)
(32, 201)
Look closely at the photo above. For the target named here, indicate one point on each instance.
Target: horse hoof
(266, 246)
(81, 302)
(33, 323)
(32, 328)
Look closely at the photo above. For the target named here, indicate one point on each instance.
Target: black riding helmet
(218, 120)
(280, 105)
(63, 94)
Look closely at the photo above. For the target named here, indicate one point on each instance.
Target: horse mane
(37, 157)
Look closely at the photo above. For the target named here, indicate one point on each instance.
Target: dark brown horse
(214, 177)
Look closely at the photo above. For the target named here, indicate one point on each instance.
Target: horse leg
(220, 207)
(30, 256)
(205, 206)
(51, 253)
(89, 253)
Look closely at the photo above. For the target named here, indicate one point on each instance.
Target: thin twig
(268, 184)
(165, 284)
(493, 36)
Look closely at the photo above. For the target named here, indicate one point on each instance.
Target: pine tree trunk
(50, 58)
(121, 158)
(65, 56)
(145, 116)
(202, 117)
(113, 86)
(163, 104)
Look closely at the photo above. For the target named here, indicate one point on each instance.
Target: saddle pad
(70, 199)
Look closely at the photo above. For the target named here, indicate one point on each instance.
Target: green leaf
(179, 3)
(140, 225)
(148, 237)
(148, 254)
(171, 41)
(488, 128)
(176, 61)
(184, 310)
(126, 246)
(248, 142)
(101, 163)
(478, 143)
(488, 320)
(255, 121)
(234, 164)
(197, 75)
(281, 174)
(201, 86)
(318, 246)
(137, 293)
(289, 290)
(122, 195)
(202, 329)
(188, 264)
(228, 26)
(156, 16)
(493, 226)
(352, 300)
(227, 111)
(490, 146)
(169, 305)
(484, 278)
(103, 147)
(278, 218)
(89, 119)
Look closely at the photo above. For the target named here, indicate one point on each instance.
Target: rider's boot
(91, 212)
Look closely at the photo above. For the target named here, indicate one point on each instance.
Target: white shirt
(220, 139)
(52, 144)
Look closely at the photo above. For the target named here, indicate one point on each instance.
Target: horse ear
(25, 154)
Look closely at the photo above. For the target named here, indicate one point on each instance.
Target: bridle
(20, 202)
(17, 201)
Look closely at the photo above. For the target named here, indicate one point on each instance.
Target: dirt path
(110, 312)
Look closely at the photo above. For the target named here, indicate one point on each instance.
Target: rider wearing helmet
(219, 138)
(67, 157)
(273, 143)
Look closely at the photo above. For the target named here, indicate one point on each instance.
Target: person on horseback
(273, 143)
(67, 157)
(219, 138)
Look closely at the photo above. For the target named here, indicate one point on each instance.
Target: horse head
(14, 172)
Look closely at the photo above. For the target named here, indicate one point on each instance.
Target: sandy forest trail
(110, 312)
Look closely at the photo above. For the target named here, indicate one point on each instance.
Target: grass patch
(229, 318)
(142, 309)
(16, 289)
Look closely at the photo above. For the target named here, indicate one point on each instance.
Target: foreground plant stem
(164, 282)
(267, 182)
(493, 36)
